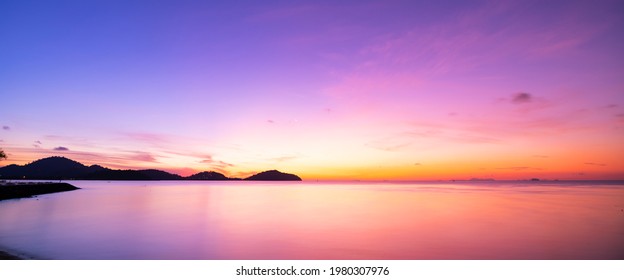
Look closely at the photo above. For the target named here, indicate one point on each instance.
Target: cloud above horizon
(216, 165)
(61, 148)
(519, 168)
(142, 156)
(521, 97)
(284, 158)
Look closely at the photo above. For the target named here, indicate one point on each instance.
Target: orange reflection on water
(254, 220)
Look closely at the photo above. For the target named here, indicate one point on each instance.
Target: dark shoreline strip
(28, 190)
(7, 256)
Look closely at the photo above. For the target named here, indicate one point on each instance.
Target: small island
(273, 175)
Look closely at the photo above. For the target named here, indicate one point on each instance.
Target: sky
(339, 90)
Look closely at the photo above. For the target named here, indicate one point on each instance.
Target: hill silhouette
(273, 175)
(207, 175)
(54, 168)
(61, 168)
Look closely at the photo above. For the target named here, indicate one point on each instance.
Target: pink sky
(364, 90)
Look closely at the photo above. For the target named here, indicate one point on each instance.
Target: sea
(234, 220)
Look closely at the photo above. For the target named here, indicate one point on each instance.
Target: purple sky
(334, 89)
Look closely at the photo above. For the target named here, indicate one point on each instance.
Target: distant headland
(61, 168)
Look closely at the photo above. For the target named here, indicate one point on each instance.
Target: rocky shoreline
(22, 190)
(7, 256)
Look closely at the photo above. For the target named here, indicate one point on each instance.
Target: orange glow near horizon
(565, 169)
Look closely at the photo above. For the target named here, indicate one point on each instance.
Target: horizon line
(447, 180)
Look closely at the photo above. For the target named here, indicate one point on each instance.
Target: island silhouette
(62, 168)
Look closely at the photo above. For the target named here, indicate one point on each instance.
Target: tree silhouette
(2, 154)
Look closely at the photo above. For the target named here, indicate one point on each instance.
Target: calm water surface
(303, 220)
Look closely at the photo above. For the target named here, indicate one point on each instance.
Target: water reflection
(259, 220)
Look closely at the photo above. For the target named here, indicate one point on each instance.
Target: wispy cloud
(595, 164)
(37, 144)
(468, 132)
(285, 158)
(73, 140)
(400, 69)
(478, 37)
(6, 127)
(619, 120)
(146, 137)
(391, 144)
(611, 106)
(142, 156)
(244, 174)
(519, 168)
(111, 159)
(216, 165)
(521, 97)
